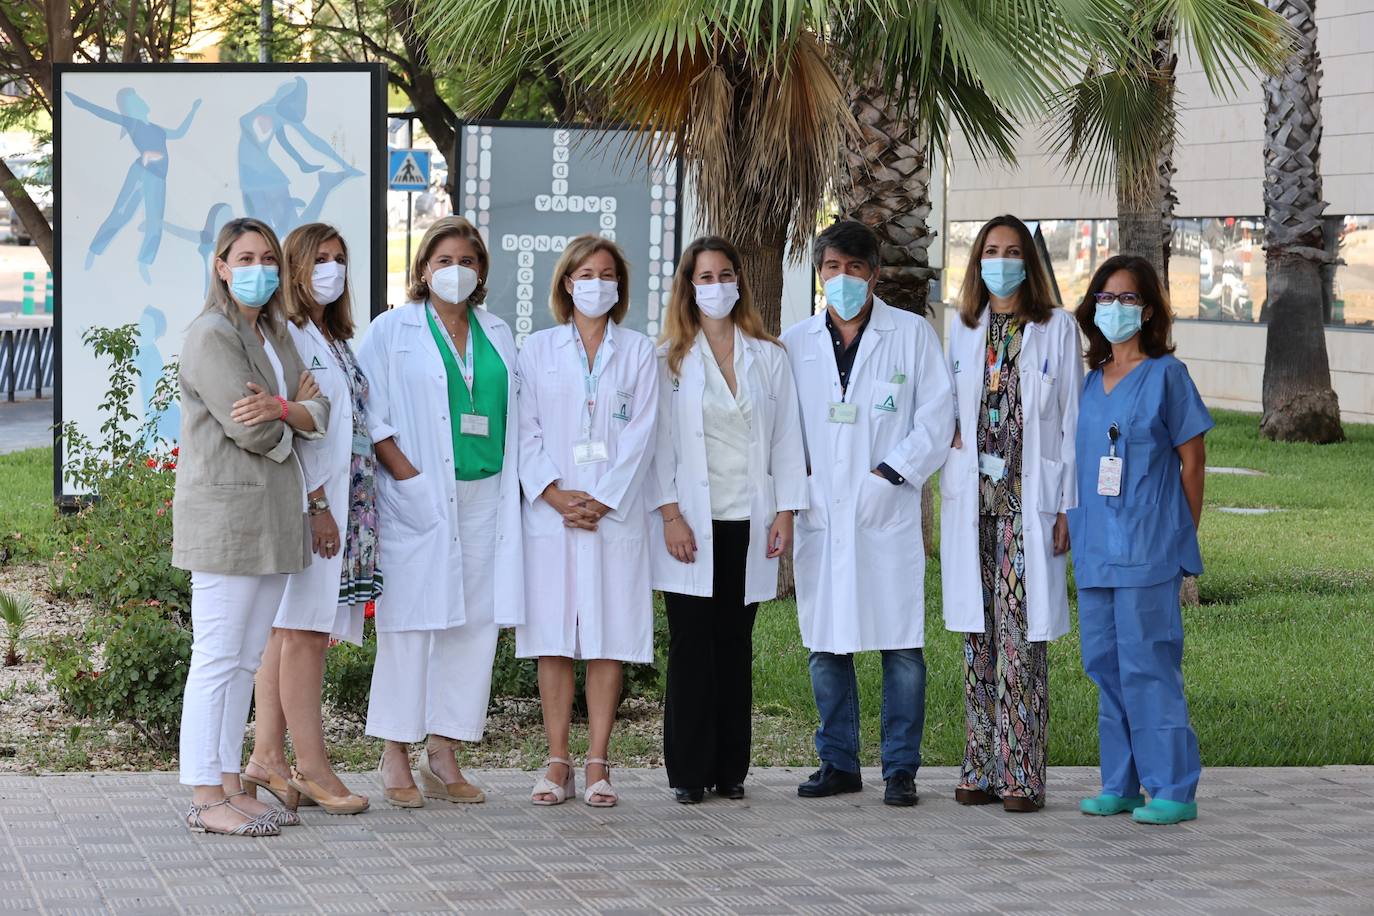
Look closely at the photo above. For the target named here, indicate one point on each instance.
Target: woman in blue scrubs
(1140, 474)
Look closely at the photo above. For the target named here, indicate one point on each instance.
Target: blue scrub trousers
(1133, 650)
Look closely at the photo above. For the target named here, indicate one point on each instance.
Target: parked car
(36, 175)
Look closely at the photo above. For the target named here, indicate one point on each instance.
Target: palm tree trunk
(1299, 402)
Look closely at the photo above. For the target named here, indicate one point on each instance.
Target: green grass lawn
(1275, 660)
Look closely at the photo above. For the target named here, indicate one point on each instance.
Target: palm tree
(1119, 122)
(1299, 403)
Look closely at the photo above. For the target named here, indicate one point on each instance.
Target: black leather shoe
(734, 791)
(689, 796)
(901, 790)
(830, 781)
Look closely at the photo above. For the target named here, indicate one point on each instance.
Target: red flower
(176, 450)
(369, 610)
(152, 462)
(169, 465)
(162, 510)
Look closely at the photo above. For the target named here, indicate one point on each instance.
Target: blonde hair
(682, 319)
(578, 251)
(449, 227)
(1035, 298)
(302, 246)
(218, 298)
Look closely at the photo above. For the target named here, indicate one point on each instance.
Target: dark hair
(1035, 298)
(1156, 323)
(851, 237)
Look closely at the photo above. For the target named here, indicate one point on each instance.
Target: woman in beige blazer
(239, 514)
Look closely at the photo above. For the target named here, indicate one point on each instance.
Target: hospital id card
(991, 466)
(362, 443)
(474, 424)
(1109, 476)
(591, 452)
(841, 412)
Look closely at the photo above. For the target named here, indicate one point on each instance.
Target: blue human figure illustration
(204, 237)
(265, 187)
(145, 183)
(152, 324)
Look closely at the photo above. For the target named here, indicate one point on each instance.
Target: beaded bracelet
(284, 408)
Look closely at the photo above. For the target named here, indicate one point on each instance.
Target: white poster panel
(150, 163)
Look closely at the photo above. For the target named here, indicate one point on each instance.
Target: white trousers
(231, 619)
(438, 682)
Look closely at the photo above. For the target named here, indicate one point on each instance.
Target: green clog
(1163, 811)
(1105, 805)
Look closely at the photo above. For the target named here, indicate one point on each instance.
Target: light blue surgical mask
(1117, 322)
(846, 295)
(253, 285)
(1003, 276)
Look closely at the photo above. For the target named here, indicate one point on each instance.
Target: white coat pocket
(408, 503)
(1050, 492)
(880, 504)
(887, 399)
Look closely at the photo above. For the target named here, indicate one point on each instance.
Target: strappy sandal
(279, 817)
(280, 787)
(560, 793)
(253, 828)
(601, 787)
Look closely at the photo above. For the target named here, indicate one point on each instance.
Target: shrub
(14, 616)
(129, 667)
(348, 675)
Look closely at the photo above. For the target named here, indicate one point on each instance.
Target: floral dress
(360, 580)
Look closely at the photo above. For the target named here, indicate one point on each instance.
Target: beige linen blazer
(239, 507)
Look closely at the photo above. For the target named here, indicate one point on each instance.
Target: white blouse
(726, 420)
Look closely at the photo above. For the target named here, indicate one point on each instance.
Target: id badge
(1109, 476)
(593, 452)
(474, 424)
(362, 443)
(841, 412)
(991, 466)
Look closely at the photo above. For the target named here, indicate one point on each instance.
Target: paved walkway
(1269, 841)
(25, 423)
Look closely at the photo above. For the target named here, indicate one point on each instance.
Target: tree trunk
(28, 211)
(1299, 402)
(1138, 221)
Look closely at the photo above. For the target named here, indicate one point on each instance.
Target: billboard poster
(151, 161)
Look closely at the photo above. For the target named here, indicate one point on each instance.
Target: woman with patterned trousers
(1005, 489)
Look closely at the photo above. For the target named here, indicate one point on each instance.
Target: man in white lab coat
(878, 414)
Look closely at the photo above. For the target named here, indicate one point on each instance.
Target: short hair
(577, 251)
(447, 228)
(218, 298)
(1154, 330)
(849, 237)
(301, 247)
(1035, 299)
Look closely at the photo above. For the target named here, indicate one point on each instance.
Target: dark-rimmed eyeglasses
(1124, 298)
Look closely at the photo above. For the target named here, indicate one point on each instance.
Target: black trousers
(710, 697)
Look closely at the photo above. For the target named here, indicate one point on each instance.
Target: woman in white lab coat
(588, 398)
(327, 597)
(729, 471)
(445, 419)
(1005, 489)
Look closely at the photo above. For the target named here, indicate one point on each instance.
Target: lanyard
(590, 377)
(466, 366)
(997, 356)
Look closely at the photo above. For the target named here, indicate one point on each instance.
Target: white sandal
(602, 787)
(545, 787)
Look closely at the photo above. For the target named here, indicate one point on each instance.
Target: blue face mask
(1117, 322)
(846, 295)
(253, 285)
(1002, 276)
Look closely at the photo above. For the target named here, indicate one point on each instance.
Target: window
(1231, 282)
(1352, 301)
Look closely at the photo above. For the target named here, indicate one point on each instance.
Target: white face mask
(453, 283)
(595, 298)
(327, 281)
(717, 300)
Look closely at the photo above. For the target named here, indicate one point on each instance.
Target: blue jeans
(903, 715)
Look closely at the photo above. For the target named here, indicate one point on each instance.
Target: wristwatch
(318, 505)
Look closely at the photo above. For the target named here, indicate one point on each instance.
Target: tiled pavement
(1268, 841)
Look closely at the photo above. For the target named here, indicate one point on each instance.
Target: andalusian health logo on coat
(315, 362)
(888, 405)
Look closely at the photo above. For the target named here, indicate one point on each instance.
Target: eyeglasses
(1124, 298)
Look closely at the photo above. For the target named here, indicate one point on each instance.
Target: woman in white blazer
(729, 472)
(327, 597)
(588, 398)
(1005, 489)
(445, 416)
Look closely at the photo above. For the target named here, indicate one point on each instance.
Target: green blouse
(475, 457)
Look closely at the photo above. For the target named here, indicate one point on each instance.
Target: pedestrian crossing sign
(408, 169)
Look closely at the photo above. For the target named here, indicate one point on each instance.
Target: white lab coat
(421, 558)
(1051, 367)
(859, 557)
(587, 592)
(777, 465)
(311, 600)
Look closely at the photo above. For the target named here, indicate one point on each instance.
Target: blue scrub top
(1145, 536)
